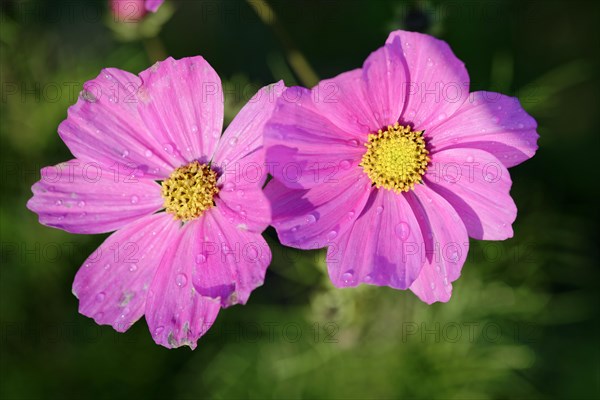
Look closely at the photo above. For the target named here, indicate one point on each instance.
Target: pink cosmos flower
(133, 10)
(187, 246)
(394, 166)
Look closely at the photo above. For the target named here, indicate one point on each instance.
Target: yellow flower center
(396, 158)
(190, 190)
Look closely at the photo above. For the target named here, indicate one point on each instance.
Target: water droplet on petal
(100, 297)
(347, 277)
(311, 218)
(331, 235)
(81, 204)
(229, 186)
(159, 330)
(345, 164)
(125, 153)
(430, 62)
(58, 202)
(470, 159)
(200, 258)
(168, 148)
(132, 268)
(181, 280)
(379, 210)
(353, 142)
(233, 141)
(148, 154)
(194, 128)
(368, 278)
(402, 230)
(351, 214)
(134, 199)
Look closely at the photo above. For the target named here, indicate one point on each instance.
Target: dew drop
(311, 219)
(159, 330)
(181, 280)
(432, 285)
(331, 235)
(351, 214)
(100, 297)
(379, 210)
(58, 202)
(521, 126)
(229, 187)
(200, 258)
(194, 128)
(430, 62)
(134, 199)
(243, 214)
(106, 266)
(81, 204)
(125, 153)
(148, 154)
(132, 268)
(347, 277)
(402, 230)
(470, 159)
(353, 142)
(233, 141)
(168, 148)
(368, 278)
(345, 164)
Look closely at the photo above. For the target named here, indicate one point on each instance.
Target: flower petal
(112, 283)
(182, 101)
(83, 197)
(477, 185)
(491, 122)
(177, 315)
(153, 5)
(386, 77)
(243, 138)
(438, 80)
(381, 248)
(343, 101)
(309, 219)
(229, 262)
(445, 244)
(304, 148)
(104, 126)
(240, 156)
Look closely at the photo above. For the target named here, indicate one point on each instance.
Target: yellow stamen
(190, 190)
(396, 158)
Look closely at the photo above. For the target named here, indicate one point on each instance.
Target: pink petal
(104, 126)
(477, 185)
(182, 102)
(385, 77)
(177, 315)
(83, 197)
(445, 244)
(243, 138)
(153, 5)
(311, 218)
(240, 156)
(439, 82)
(343, 101)
(304, 148)
(112, 283)
(229, 262)
(381, 248)
(491, 122)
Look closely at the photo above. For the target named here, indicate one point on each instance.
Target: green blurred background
(523, 322)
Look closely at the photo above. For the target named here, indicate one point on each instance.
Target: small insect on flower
(186, 203)
(395, 165)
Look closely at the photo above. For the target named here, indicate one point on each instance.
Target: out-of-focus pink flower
(185, 247)
(395, 165)
(133, 10)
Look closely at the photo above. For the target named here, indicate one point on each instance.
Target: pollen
(190, 191)
(396, 158)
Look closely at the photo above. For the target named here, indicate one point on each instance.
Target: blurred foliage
(523, 321)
